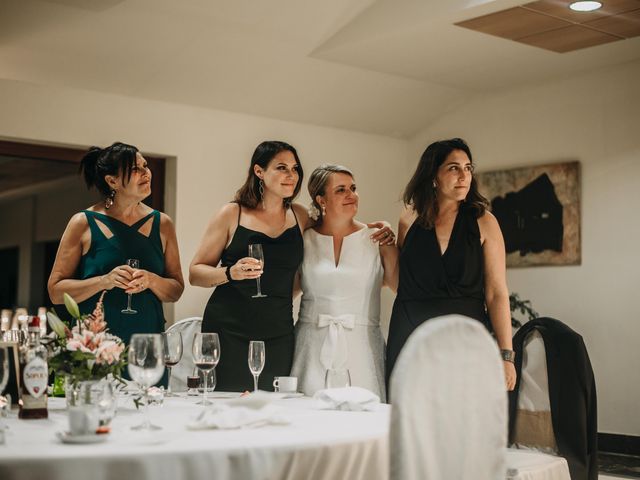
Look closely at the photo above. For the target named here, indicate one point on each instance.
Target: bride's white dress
(339, 321)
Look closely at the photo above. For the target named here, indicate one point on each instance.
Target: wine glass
(133, 263)
(255, 251)
(206, 355)
(256, 360)
(337, 378)
(146, 366)
(172, 348)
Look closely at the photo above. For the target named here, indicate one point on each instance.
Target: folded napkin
(355, 399)
(252, 413)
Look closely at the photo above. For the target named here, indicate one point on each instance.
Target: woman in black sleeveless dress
(452, 257)
(262, 213)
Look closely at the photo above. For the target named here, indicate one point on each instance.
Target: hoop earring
(261, 192)
(108, 202)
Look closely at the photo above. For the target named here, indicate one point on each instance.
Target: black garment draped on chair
(572, 394)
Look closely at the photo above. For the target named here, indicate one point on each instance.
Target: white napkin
(355, 399)
(252, 413)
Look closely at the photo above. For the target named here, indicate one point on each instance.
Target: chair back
(449, 404)
(188, 328)
(533, 425)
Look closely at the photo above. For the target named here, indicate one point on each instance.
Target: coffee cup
(286, 384)
(83, 420)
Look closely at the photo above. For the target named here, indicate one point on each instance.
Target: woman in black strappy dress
(452, 256)
(262, 212)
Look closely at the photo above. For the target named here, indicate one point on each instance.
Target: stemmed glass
(255, 251)
(206, 355)
(133, 263)
(172, 348)
(337, 378)
(256, 361)
(4, 379)
(146, 366)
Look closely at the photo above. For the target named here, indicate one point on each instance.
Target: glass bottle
(35, 375)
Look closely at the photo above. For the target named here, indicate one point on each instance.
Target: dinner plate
(66, 437)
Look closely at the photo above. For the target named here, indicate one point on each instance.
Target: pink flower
(109, 352)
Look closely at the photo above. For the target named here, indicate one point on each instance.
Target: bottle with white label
(35, 375)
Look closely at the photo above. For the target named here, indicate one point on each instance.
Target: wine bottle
(35, 375)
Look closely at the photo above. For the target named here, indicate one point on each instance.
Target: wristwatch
(508, 355)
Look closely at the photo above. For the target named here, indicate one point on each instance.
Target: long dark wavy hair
(249, 193)
(420, 193)
(100, 162)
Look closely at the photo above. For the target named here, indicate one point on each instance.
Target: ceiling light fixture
(585, 6)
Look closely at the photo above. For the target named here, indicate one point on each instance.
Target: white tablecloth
(318, 444)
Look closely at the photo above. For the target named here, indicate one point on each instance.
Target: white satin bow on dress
(334, 353)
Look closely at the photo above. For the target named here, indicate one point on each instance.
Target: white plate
(66, 437)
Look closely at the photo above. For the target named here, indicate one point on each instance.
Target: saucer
(66, 437)
(286, 395)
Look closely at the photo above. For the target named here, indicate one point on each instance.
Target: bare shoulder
(166, 221)
(227, 215)
(78, 223)
(302, 215)
(489, 227)
(407, 215)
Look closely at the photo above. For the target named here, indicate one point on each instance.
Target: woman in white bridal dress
(341, 276)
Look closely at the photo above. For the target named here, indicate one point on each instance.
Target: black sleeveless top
(434, 284)
(237, 318)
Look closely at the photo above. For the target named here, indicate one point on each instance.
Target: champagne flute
(146, 366)
(133, 263)
(206, 355)
(255, 251)
(256, 361)
(172, 348)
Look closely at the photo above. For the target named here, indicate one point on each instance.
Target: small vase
(98, 395)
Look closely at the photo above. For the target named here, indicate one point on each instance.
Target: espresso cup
(83, 420)
(286, 384)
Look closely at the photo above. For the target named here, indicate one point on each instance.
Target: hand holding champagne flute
(133, 263)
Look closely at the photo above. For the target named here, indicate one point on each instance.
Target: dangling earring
(324, 211)
(435, 185)
(261, 191)
(108, 202)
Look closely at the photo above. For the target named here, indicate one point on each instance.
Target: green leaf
(56, 324)
(72, 306)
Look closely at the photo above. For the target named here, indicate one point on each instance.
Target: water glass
(146, 366)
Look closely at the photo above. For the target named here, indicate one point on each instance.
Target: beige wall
(594, 118)
(209, 150)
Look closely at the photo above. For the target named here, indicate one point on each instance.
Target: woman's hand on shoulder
(384, 235)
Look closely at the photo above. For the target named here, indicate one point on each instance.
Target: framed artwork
(538, 209)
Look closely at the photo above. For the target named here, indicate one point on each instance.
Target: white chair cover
(449, 404)
(188, 328)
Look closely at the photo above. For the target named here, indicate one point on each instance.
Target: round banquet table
(317, 444)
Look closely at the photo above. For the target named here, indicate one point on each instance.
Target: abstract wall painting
(538, 209)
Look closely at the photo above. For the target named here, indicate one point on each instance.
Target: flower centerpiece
(87, 351)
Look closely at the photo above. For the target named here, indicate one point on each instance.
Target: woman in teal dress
(98, 241)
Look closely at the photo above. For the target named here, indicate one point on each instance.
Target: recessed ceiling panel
(514, 23)
(568, 39)
(625, 25)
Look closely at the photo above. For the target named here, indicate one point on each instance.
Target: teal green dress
(107, 253)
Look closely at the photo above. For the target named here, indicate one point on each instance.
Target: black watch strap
(508, 355)
(227, 272)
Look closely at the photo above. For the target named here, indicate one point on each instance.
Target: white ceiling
(386, 66)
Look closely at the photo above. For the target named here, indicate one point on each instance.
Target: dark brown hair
(249, 193)
(100, 162)
(420, 193)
